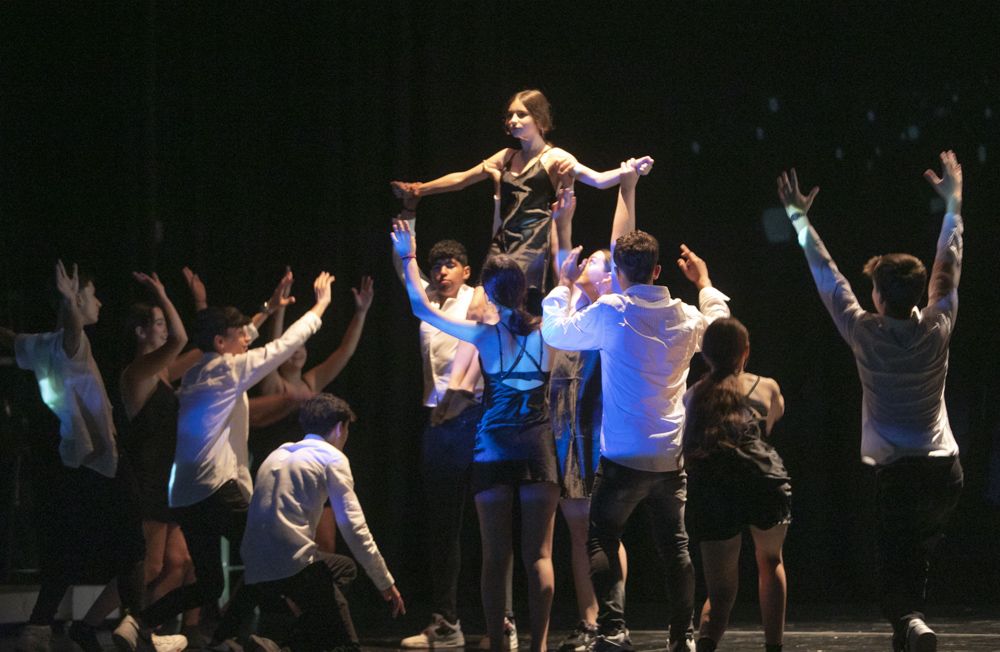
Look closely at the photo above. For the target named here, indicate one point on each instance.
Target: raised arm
(563, 210)
(280, 298)
(405, 247)
(711, 302)
(197, 287)
(272, 383)
(449, 182)
(323, 374)
(942, 291)
(72, 319)
(834, 290)
(141, 373)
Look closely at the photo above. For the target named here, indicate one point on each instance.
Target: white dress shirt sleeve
(255, 364)
(565, 329)
(352, 525)
(942, 291)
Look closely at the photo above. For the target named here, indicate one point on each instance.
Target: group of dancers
(574, 398)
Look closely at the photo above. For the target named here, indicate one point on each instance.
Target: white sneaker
(920, 637)
(34, 638)
(685, 644)
(129, 637)
(509, 635)
(439, 634)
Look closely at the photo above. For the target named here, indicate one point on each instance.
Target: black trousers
(223, 514)
(916, 497)
(324, 617)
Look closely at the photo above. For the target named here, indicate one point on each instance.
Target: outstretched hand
(571, 269)
(281, 296)
(693, 268)
(949, 184)
(564, 206)
(405, 189)
(395, 600)
(67, 284)
(321, 287)
(197, 288)
(152, 282)
(403, 240)
(791, 196)
(363, 297)
(642, 165)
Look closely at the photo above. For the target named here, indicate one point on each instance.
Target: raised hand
(693, 267)
(571, 269)
(791, 196)
(321, 287)
(67, 284)
(629, 172)
(403, 240)
(564, 206)
(152, 282)
(363, 297)
(949, 184)
(281, 296)
(197, 288)
(404, 189)
(642, 165)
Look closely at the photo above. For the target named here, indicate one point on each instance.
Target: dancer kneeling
(735, 480)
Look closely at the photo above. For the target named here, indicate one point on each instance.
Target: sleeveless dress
(525, 224)
(738, 485)
(576, 408)
(150, 445)
(514, 442)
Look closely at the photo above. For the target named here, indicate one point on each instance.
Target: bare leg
(576, 511)
(772, 588)
(538, 519)
(495, 509)
(720, 560)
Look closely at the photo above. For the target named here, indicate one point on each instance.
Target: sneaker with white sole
(685, 644)
(34, 638)
(920, 637)
(439, 634)
(618, 642)
(580, 639)
(509, 636)
(130, 637)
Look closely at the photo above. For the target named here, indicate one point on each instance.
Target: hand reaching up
(152, 282)
(67, 284)
(791, 196)
(321, 287)
(403, 240)
(949, 184)
(363, 297)
(571, 269)
(694, 268)
(197, 288)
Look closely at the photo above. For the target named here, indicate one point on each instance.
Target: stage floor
(954, 634)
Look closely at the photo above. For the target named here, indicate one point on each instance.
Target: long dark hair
(140, 315)
(716, 410)
(504, 283)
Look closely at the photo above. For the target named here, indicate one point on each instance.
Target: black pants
(618, 490)
(324, 621)
(446, 457)
(916, 497)
(223, 514)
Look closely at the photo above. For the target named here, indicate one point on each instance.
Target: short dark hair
(900, 280)
(446, 250)
(636, 255)
(214, 321)
(321, 414)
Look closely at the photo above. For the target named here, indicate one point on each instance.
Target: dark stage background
(237, 139)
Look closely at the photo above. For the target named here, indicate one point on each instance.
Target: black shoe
(618, 642)
(580, 639)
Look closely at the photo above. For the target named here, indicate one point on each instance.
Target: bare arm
(777, 408)
(197, 288)
(323, 374)
(280, 298)
(271, 408)
(612, 177)
(152, 363)
(942, 290)
(72, 320)
(449, 182)
(405, 247)
(272, 383)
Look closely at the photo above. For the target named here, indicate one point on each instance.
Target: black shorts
(720, 508)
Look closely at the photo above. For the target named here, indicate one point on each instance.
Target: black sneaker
(619, 642)
(85, 636)
(580, 639)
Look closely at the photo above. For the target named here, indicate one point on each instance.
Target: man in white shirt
(646, 340)
(210, 485)
(902, 358)
(279, 549)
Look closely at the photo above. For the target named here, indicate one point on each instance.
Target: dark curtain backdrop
(239, 138)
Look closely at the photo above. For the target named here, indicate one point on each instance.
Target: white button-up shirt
(213, 422)
(292, 485)
(438, 349)
(74, 390)
(646, 340)
(902, 363)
